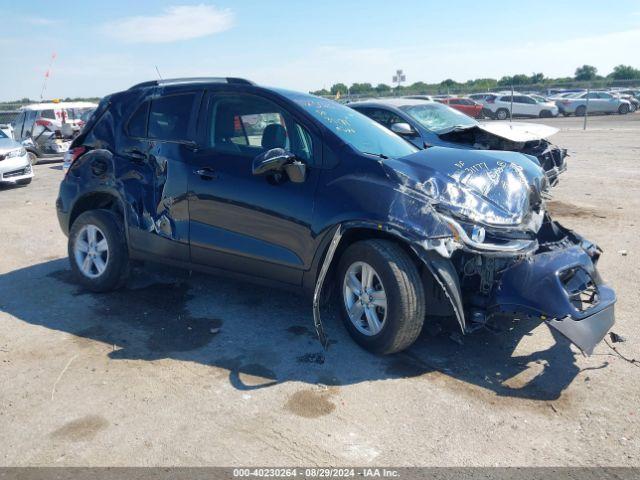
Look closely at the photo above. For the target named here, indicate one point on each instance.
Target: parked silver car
(599, 102)
(14, 162)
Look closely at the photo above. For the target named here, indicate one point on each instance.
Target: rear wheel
(545, 114)
(623, 109)
(382, 296)
(502, 114)
(581, 111)
(98, 251)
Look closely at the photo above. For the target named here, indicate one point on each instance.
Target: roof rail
(177, 81)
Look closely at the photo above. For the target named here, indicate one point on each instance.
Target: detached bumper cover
(564, 288)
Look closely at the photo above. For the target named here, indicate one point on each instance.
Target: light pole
(398, 78)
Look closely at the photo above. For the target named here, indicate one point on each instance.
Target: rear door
(240, 222)
(154, 169)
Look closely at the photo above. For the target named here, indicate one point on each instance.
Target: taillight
(72, 155)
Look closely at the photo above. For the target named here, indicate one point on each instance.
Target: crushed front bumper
(562, 287)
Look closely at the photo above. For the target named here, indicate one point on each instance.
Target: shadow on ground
(258, 333)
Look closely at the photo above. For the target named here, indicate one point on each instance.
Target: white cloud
(174, 24)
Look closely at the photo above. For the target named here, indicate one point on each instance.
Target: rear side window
(169, 117)
(137, 126)
(48, 114)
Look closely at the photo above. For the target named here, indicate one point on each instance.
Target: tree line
(585, 73)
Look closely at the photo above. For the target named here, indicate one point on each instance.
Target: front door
(255, 225)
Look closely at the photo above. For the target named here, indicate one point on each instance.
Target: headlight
(16, 153)
(461, 201)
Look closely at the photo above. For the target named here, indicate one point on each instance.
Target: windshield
(439, 118)
(359, 131)
(3, 135)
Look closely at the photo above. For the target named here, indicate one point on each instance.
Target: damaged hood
(518, 132)
(494, 188)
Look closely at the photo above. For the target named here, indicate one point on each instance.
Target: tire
(401, 283)
(116, 259)
(502, 114)
(33, 158)
(623, 109)
(581, 110)
(545, 114)
(26, 181)
(486, 113)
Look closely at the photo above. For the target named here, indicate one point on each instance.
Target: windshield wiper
(379, 155)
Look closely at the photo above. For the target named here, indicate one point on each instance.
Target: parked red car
(465, 105)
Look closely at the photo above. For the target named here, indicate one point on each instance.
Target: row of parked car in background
(502, 105)
(40, 131)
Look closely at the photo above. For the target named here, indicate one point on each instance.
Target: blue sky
(106, 46)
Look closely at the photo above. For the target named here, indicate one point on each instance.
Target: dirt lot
(137, 378)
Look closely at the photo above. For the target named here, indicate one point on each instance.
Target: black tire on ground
(502, 114)
(117, 267)
(545, 114)
(25, 181)
(33, 158)
(486, 113)
(623, 109)
(404, 291)
(565, 114)
(581, 110)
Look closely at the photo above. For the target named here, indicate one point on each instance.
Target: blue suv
(269, 185)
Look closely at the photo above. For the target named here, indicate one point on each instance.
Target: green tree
(536, 78)
(586, 72)
(448, 83)
(360, 88)
(338, 87)
(625, 72)
(383, 88)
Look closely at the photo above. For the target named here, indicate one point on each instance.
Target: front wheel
(98, 251)
(581, 111)
(382, 296)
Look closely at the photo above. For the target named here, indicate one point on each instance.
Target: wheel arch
(430, 262)
(99, 199)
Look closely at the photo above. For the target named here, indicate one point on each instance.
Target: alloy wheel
(91, 251)
(365, 298)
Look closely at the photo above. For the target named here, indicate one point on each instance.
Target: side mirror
(403, 129)
(271, 161)
(276, 160)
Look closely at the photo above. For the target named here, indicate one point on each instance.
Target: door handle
(206, 173)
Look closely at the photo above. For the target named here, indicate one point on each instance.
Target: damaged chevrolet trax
(227, 177)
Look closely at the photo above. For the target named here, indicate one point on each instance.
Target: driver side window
(248, 125)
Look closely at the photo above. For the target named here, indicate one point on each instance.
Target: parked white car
(14, 162)
(523, 106)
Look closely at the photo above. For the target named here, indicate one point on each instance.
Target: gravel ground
(143, 376)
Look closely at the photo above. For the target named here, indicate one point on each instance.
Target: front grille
(580, 287)
(16, 173)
